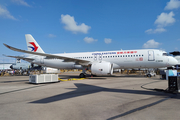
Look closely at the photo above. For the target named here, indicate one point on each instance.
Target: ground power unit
(43, 78)
(174, 83)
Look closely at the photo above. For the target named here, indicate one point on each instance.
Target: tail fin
(32, 45)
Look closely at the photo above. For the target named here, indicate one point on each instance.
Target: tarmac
(118, 97)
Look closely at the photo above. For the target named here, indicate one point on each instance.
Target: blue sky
(90, 25)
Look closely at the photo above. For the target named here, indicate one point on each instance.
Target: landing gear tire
(82, 75)
(149, 75)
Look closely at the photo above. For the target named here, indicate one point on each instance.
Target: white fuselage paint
(146, 58)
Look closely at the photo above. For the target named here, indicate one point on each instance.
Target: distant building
(5, 66)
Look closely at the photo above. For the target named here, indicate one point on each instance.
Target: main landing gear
(83, 74)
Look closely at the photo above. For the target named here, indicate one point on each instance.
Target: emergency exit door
(151, 56)
(98, 57)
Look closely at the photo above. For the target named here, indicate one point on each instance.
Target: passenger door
(151, 56)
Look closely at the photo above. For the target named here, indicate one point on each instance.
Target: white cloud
(5, 13)
(172, 4)
(21, 2)
(157, 30)
(151, 44)
(51, 35)
(149, 31)
(176, 48)
(107, 40)
(71, 25)
(89, 39)
(165, 19)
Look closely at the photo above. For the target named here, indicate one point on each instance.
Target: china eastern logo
(34, 48)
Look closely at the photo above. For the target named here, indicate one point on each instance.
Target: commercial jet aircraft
(98, 63)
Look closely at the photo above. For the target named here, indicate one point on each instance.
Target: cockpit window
(165, 54)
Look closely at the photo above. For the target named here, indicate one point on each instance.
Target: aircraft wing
(20, 57)
(66, 59)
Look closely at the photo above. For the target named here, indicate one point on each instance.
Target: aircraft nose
(172, 61)
(11, 66)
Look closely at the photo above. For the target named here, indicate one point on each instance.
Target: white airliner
(98, 63)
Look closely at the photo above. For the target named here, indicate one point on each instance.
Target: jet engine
(102, 68)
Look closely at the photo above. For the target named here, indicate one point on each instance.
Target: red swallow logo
(34, 48)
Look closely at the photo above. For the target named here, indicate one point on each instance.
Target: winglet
(7, 46)
(12, 48)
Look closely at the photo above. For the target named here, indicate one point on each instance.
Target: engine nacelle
(102, 68)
